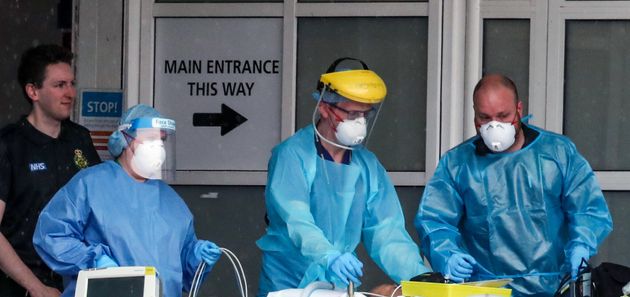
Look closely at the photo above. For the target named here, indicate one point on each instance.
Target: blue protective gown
(516, 213)
(319, 209)
(102, 210)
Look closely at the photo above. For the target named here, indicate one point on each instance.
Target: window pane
(396, 49)
(615, 247)
(341, 1)
(506, 51)
(215, 1)
(596, 91)
(312, 1)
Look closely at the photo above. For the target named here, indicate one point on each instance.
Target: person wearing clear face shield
(120, 213)
(325, 192)
(515, 201)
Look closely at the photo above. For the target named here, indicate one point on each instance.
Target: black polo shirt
(33, 166)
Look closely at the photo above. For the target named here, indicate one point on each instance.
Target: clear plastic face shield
(353, 100)
(352, 126)
(152, 142)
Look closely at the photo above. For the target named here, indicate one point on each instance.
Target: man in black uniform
(38, 155)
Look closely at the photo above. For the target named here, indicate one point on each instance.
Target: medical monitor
(130, 281)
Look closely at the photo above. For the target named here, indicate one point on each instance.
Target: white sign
(220, 80)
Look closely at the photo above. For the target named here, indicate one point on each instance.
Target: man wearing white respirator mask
(120, 213)
(326, 192)
(515, 201)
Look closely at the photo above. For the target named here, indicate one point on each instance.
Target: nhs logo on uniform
(101, 103)
(37, 166)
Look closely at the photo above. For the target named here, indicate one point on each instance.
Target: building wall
(23, 23)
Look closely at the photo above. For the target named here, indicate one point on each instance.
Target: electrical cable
(238, 269)
(379, 295)
(371, 294)
(399, 286)
(240, 272)
(194, 285)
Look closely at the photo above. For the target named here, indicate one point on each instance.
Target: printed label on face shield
(163, 123)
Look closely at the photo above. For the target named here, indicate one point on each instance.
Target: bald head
(494, 82)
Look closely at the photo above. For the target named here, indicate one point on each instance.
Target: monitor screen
(119, 286)
(131, 281)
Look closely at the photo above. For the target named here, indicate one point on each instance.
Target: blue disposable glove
(459, 267)
(577, 253)
(347, 268)
(208, 252)
(105, 261)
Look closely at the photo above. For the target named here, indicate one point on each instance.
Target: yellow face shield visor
(363, 86)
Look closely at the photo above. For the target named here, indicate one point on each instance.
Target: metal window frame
(560, 11)
(547, 33)
(139, 55)
(477, 12)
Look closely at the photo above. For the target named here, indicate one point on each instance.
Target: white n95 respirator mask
(498, 136)
(351, 132)
(148, 158)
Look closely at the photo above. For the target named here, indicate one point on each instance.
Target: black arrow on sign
(228, 119)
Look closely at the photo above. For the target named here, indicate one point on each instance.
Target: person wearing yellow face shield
(325, 192)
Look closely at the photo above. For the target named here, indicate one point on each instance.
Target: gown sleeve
(59, 237)
(584, 204)
(288, 195)
(438, 218)
(384, 235)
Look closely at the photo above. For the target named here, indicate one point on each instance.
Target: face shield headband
(167, 125)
